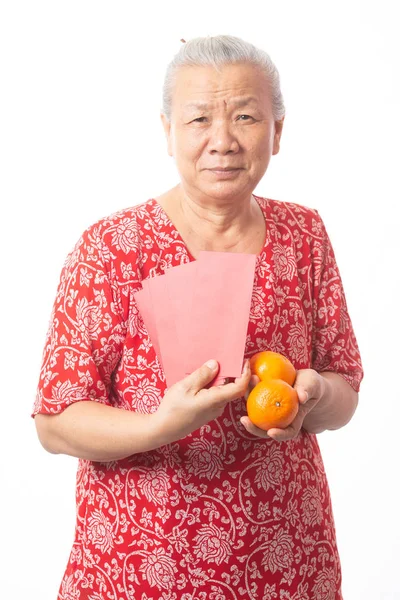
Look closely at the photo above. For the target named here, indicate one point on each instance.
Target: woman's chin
(225, 189)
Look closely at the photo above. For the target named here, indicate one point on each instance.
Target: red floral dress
(220, 514)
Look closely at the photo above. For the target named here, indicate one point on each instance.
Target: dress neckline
(261, 201)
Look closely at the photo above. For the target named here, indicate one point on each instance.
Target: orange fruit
(272, 403)
(272, 365)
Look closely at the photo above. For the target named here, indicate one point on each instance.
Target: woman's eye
(202, 119)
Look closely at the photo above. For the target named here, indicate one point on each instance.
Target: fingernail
(211, 364)
(246, 365)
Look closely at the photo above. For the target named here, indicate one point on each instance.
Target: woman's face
(222, 120)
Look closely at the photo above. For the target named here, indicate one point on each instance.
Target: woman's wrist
(315, 421)
(336, 406)
(158, 432)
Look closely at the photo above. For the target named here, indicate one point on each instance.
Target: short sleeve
(334, 346)
(86, 331)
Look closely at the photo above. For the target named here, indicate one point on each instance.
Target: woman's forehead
(199, 88)
(229, 102)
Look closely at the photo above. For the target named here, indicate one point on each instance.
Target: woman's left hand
(310, 387)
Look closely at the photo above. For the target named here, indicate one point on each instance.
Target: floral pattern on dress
(220, 514)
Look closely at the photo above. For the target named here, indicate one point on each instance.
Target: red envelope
(219, 311)
(165, 319)
(143, 301)
(180, 281)
(200, 310)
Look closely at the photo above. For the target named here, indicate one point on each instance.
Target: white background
(81, 138)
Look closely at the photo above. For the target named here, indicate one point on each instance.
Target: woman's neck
(234, 227)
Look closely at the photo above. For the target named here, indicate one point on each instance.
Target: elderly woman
(179, 496)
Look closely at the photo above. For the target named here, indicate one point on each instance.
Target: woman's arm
(336, 406)
(95, 431)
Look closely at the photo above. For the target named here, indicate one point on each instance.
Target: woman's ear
(167, 129)
(277, 135)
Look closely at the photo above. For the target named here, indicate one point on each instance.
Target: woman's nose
(222, 138)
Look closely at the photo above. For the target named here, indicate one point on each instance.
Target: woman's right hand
(188, 405)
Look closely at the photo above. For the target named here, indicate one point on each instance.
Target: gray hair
(217, 51)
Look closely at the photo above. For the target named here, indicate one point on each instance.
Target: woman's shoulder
(120, 230)
(113, 244)
(285, 207)
(294, 215)
(134, 214)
